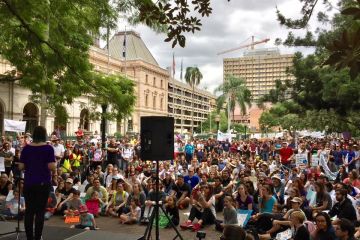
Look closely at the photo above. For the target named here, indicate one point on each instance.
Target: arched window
(154, 102)
(84, 119)
(31, 116)
(161, 103)
(146, 79)
(154, 82)
(61, 118)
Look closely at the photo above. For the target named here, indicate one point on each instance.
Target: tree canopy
(323, 93)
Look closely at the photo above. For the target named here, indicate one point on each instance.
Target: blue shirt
(268, 206)
(192, 181)
(189, 149)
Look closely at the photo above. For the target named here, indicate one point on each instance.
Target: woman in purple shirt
(38, 160)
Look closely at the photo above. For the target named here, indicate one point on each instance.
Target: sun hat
(83, 209)
(276, 176)
(297, 200)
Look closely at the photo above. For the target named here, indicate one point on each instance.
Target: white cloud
(230, 24)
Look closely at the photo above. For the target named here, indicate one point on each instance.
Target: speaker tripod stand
(155, 214)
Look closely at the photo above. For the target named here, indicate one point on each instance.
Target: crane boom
(244, 46)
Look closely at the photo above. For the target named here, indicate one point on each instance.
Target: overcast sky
(230, 24)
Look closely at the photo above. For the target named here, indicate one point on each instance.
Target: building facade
(180, 105)
(151, 90)
(260, 68)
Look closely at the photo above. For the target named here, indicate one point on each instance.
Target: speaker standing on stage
(38, 160)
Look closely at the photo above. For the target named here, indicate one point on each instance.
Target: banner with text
(14, 126)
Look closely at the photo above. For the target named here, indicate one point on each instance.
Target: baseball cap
(297, 200)
(69, 180)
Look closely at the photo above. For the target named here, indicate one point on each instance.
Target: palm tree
(235, 90)
(193, 77)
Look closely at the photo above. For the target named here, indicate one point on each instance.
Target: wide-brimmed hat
(54, 138)
(297, 200)
(276, 176)
(69, 180)
(83, 209)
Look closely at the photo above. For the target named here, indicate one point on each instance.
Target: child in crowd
(172, 210)
(87, 220)
(134, 215)
(52, 203)
(73, 205)
(94, 204)
(13, 210)
(230, 215)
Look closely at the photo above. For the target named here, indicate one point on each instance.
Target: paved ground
(112, 225)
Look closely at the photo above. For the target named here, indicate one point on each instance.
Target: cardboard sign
(14, 126)
(72, 219)
(301, 160)
(314, 161)
(2, 164)
(243, 217)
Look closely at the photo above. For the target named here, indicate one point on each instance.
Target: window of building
(146, 100)
(161, 83)
(154, 102)
(146, 79)
(154, 81)
(161, 103)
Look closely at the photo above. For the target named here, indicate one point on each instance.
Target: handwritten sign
(243, 217)
(301, 160)
(72, 219)
(315, 160)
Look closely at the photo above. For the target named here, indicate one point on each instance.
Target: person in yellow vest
(117, 203)
(76, 159)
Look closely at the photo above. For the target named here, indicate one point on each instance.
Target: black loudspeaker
(157, 138)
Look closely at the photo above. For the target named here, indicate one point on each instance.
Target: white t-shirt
(59, 149)
(212, 207)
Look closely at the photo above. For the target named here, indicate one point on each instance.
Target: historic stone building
(151, 88)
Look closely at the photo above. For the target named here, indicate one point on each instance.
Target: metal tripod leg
(172, 224)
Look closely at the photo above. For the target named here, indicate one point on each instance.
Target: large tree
(234, 92)
(193, 77)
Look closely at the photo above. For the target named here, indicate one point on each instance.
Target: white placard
(14, 126)
(301, 160)
(2, 164)
(315, 160)
(223, 136)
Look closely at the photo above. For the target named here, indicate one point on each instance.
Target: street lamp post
(217, 120)
(245, 131)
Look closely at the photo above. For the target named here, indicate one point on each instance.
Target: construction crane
(247, 45)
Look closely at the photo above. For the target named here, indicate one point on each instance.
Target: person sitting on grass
(172, 210)
(203, 209)
(87, 220)
(134, 215)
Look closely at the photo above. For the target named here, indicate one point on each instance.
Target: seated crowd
(205, 178)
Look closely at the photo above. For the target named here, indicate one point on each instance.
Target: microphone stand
(17, 228)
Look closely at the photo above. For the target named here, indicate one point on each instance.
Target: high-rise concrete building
(260, 68)
(180, 105)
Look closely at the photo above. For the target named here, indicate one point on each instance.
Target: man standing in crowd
(286, 155)
(58, 148)
(112, 150)
(189, 151)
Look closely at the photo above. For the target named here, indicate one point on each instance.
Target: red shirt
(285, 154)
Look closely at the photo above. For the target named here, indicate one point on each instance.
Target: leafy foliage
(235, 89)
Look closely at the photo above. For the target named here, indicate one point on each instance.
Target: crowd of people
(308, 188)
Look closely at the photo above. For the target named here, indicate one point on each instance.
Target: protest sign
(301, 160)
(14, 126)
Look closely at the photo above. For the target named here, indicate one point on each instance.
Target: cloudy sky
(230, 24)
